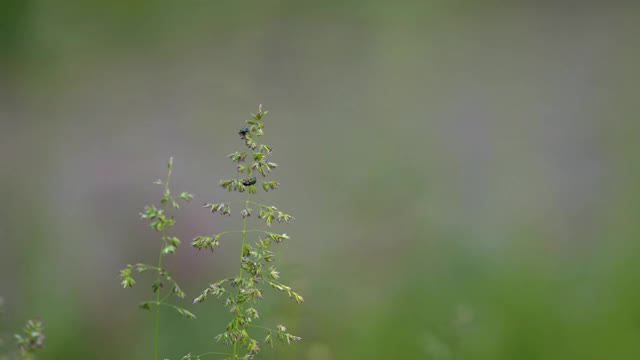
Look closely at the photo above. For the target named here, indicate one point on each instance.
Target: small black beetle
(249, 181)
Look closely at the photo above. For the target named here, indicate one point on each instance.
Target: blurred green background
(464, 174)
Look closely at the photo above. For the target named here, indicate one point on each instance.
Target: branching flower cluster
(31, 339)
(241, 293)
(160, 222)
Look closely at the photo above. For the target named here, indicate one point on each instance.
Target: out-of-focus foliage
(32, 338)
(465, 173)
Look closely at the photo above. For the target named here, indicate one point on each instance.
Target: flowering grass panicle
(256, 273)
(161, 222)
(31, 339)
(240, 294)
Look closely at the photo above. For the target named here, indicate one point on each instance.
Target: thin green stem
(165, 298)
(244, 238)
(243, 231)
(209, 353)
(262, 327)
(244, 202)
(157, 316)
(156, 328)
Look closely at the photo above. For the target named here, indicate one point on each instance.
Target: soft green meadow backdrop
(464, 174)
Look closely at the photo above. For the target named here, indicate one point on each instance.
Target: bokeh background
(464, 174)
